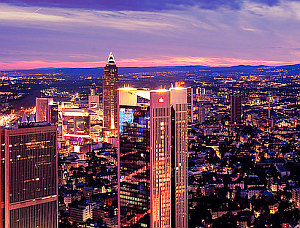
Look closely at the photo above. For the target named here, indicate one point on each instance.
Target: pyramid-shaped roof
(111, 59)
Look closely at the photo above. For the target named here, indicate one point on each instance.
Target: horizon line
(156, 66)
(166, 61)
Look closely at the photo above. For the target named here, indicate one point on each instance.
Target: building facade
(134, 158)
(110, 93)
(2, 175)
(153, 158)
(235, 109)
(168, 158)
(30, 176)
(190, 107)
(46, 110)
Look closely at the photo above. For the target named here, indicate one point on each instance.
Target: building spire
(111, 59)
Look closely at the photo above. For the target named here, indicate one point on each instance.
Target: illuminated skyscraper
(134, 157)
(2, 170)
(153, 157)
(168, 158)
(110, 93)
(30, 176)
(235, 109)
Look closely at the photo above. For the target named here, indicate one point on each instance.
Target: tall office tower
(168, 158)
(134, 158)
(2, 166)
(93, 100)
(46, 110)
(235, 109)
(190, 104)
(30, 176)
(110, 93)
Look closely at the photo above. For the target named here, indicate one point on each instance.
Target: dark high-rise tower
(110, 93)
(2, 170)
(29, 176)
(134, 158)
(235, 109)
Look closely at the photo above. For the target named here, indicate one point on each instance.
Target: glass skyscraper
(29, 176)
(169, 157)
(134, 158)
(153, 157)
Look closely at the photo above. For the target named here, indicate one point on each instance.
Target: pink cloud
(138, 62)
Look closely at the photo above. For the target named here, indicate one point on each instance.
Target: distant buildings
(75, 123)
(93, 100)
(235, 109)
(46, 110)
(29, 176)
(110, 93)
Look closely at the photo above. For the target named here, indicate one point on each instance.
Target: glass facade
(169, 156)
(42, 215)
(31, 177)
(134, 168)
(32, 166)
(2, 170)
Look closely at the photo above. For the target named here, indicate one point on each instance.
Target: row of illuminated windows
(181, 107)
(134, 200)
(161, 112)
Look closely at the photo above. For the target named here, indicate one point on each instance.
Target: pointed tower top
(111, 59)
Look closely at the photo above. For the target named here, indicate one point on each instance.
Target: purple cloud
(139, 5)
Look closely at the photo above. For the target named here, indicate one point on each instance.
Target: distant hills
(98, 71)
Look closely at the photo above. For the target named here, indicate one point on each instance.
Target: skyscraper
(134, 157)
(168, 158)
(153, 157)
(235, 109)
(30, 176)
(110, 93)
(2, 170)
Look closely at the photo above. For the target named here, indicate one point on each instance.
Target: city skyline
(149, 113)
(214, 33)
(220, 147)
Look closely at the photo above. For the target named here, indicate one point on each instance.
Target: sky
(81, 33)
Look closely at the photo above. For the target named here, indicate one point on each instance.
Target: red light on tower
(161, 100)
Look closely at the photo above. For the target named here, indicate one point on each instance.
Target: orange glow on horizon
(140, 62)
